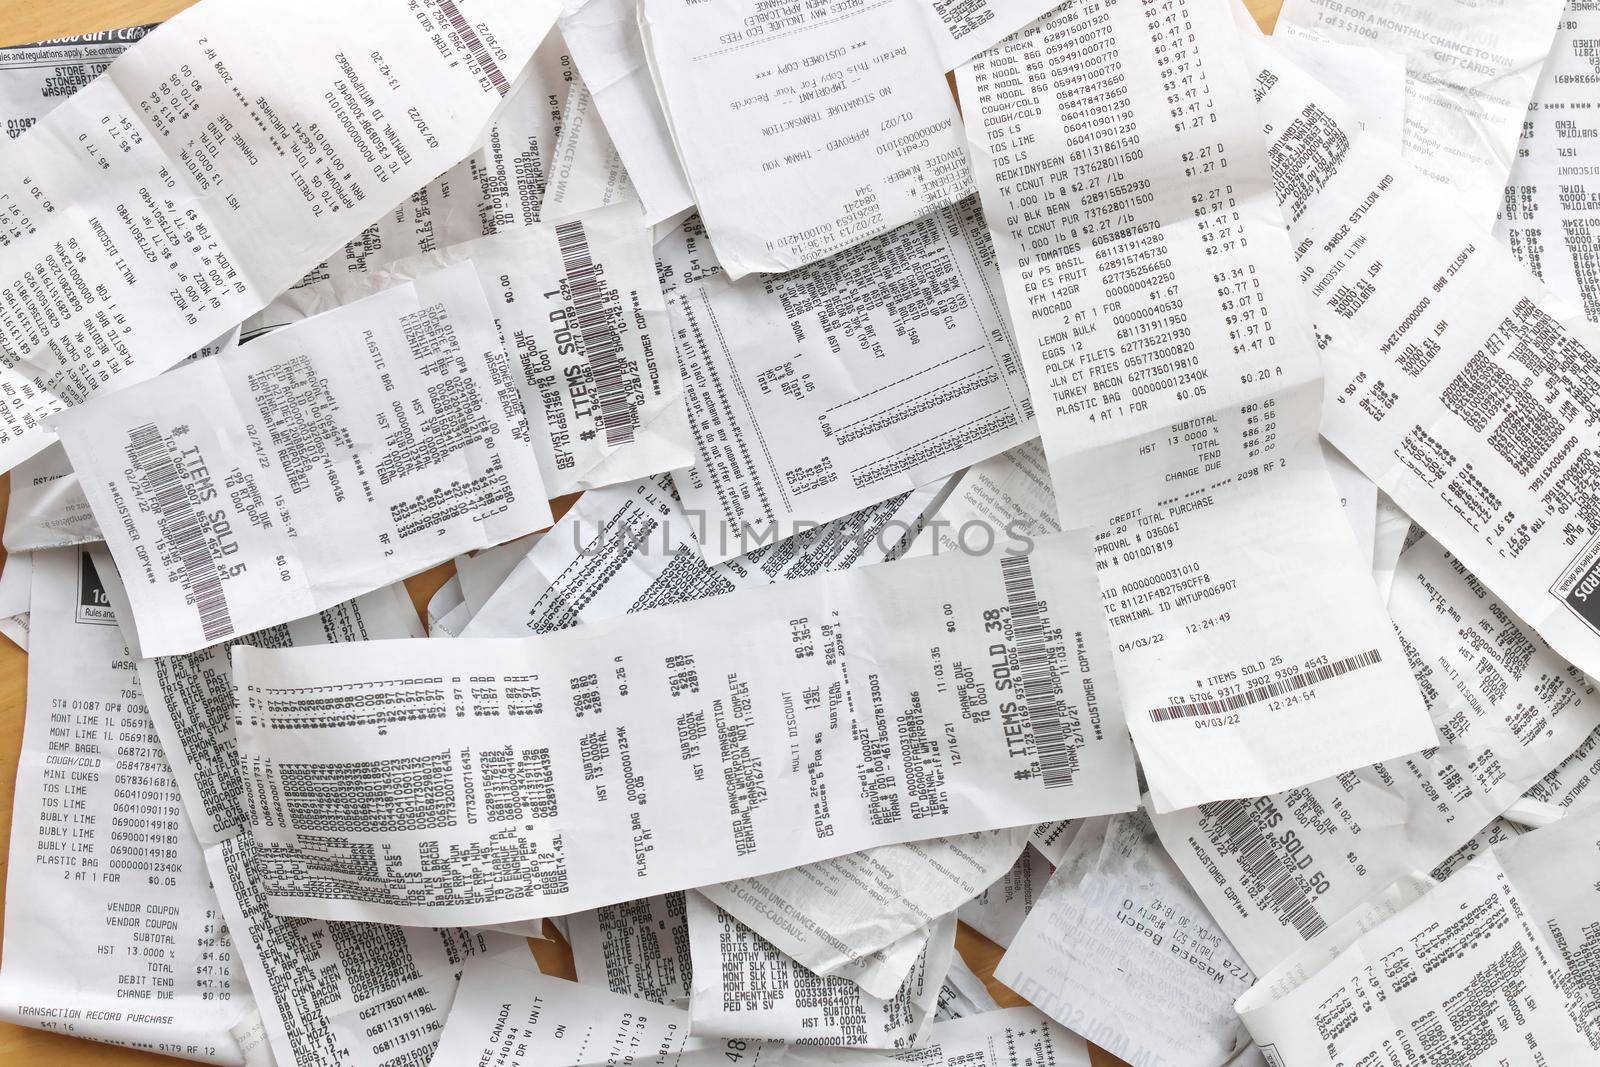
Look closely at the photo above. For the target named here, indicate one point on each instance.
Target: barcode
(1236, 823)
(182, 527)
(474, 43)
(1037, 679)
(597, 328)
(1256, 695)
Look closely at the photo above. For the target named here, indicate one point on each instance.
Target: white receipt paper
(792, 160)
(216, 162)
(112, 931)
(801, 720)
(317, 463)
(1495, 965)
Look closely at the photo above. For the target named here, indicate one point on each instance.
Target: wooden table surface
(22, 21)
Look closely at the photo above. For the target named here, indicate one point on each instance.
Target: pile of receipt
(1138, 512)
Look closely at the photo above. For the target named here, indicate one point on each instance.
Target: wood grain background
(22, 21)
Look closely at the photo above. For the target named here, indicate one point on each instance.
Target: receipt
(706, 741)
(608, 50)
(389, 424)
(744, 987)
(998, 912)
(639, 948)
(34, 78)
(1149, 277)
(345, 993)
(1142, 253)
(1547, 216)
(47, 508)
(1220, 665)
(806, 130)
(1276, 870)
(1183, 571)
(1119, 950)
(1455, 380)
(582, 321)
(201, 180)
(1471, 66)
(818, 392)
(1493, 966)
(356, 993)
(629, 548)
(16, 595)
(250, 1033)
(1013, 492)
(112, 932)
(837, 917)
(508, 1013)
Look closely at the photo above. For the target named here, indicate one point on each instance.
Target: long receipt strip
(391, 419)
(1143, 256)
(804, 721)
(1147, 272)
(112, 931)
(184, 189)
(631, 548)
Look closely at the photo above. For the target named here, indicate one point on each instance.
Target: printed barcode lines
(182, 527)
(474, 43)
(1245, 833)
(1037, 679)
(1244, 699)
(597, 328)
